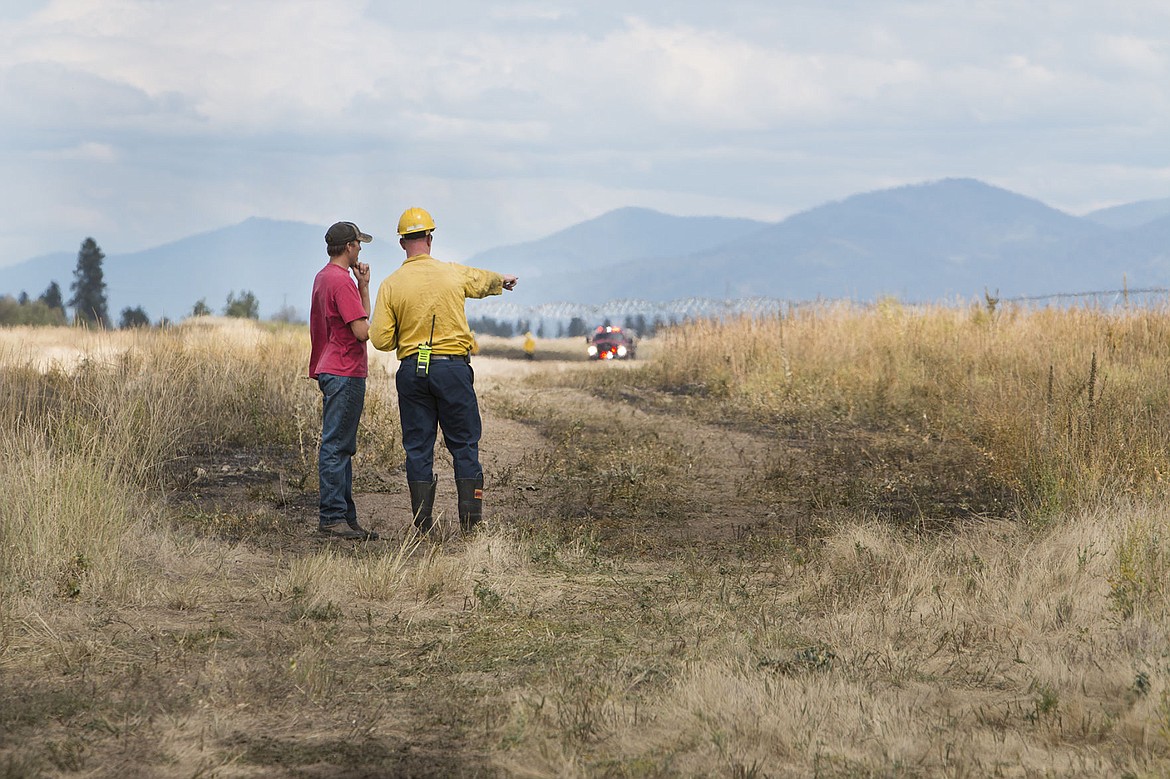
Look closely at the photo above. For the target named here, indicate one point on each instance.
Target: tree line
(90, 306)
(575, 328)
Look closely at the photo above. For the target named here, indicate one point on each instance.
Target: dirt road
(645, 477)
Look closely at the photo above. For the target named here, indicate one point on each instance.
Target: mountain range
(941, 240)
(919, 243)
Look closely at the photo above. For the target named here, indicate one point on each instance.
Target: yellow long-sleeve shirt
(420, 289)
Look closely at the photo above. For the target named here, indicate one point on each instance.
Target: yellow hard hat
(415, 220)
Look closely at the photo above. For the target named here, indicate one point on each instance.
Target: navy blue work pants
(444, 397)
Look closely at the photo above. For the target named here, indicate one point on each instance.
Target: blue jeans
(443, 398)
(341, 409)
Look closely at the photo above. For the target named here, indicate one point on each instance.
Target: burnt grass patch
(237, 492)
(817, 468)
(351, 757)
(258, 494)
(911, 481)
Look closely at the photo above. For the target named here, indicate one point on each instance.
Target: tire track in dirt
(721, 486)
(707, 476)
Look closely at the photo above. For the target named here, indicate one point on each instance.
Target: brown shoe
(341, 530)
(367, 535)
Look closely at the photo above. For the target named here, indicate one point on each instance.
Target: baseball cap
(344, 232)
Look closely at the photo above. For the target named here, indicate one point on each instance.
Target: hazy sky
(139, 122)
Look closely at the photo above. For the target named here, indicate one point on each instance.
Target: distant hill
(926, 242)
(33, 275)
(941, 240)
(615, 237)
(1131, 214)
(1141, 255)
(275, 260)
(954, 237)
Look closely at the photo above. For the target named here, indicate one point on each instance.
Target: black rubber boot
(470, 502)
(422, 503)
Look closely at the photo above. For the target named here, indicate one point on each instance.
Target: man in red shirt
(339, 327)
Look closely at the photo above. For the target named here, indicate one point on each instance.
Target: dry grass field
(876, 542)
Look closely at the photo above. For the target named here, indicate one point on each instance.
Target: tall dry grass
(992, 651)
(85, 436)
(1071, 406)
(1014, 649)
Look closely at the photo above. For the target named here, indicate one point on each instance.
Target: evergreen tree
(52, 296)
(635, 324)
(201, 308)
(134, 317)
(89, 289)
(489, 325)
(246, 306)
(577, 327)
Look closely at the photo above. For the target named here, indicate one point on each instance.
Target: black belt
(461, 357)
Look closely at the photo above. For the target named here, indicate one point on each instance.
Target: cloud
(525, 12)
(1134, 53)
(89, 151)
(63, 101)
(196, 114)
(527, 75)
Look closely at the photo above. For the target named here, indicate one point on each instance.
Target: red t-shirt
(336, 303)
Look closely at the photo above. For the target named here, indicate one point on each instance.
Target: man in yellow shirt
(419, 312)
